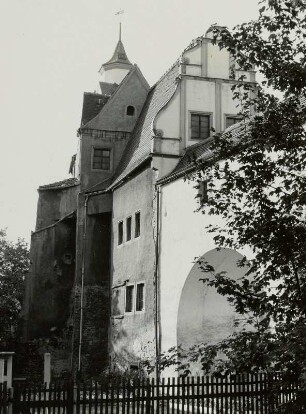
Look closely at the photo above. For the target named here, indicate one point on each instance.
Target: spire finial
(120, 31)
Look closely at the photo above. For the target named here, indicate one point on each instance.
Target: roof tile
(108, 89)
(92, 105)
(60, 185)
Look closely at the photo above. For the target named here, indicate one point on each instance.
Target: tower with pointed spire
(115, 69)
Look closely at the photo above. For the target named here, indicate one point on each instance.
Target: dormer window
(130, 110)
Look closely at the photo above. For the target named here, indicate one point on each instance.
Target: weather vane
(117, 14)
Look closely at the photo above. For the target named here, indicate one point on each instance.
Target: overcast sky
(51, 51)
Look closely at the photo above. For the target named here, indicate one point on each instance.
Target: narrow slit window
(129, 297)
(140, 297)
(120, 232)
(128, 228)
(203, 191)
(137, 224)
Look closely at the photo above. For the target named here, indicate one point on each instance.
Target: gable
(139, 147)
(131, 92)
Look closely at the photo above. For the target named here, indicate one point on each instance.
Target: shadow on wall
(204, 316)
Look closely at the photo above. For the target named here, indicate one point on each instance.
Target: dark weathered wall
(132, 334)
(55, 204)
(94, 255)
(49, 283)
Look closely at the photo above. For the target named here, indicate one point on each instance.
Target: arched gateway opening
(203, 314)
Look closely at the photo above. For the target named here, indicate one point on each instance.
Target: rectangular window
(101, 159)
(140, 297)
(137, 224)
(203, 191)
(200, 126)
(129, 298)
(120, 232)
(128, 228)
(232, 120)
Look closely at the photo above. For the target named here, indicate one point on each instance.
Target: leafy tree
(14, 264)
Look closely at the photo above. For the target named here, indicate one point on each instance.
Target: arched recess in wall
(203, 314)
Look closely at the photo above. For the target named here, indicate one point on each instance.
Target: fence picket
(248, 393)
(188, 395)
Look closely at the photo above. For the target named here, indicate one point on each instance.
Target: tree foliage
(14, 264)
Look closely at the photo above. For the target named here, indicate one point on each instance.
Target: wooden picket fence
(247, 394)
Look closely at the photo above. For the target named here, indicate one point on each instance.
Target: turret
(114, 70)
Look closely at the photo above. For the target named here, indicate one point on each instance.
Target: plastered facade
(132, 333)
(190, 312)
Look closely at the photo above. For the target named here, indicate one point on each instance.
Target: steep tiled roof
(103, 185)
(59, 185)
(193, 153)
(139, 146)
(94, 123)
(108, 89)
(92, 105)
(203, 151)
(119, 56)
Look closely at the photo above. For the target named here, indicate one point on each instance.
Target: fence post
(70, 397)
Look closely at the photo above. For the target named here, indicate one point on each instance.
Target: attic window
(130, 110)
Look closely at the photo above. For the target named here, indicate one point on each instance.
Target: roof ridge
(66, 183)
(92, 93)
(165, 73)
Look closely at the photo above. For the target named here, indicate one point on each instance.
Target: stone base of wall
(94, 347)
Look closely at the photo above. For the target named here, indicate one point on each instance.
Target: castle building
(113, 277)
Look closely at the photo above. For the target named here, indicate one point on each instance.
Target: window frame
(126, 111)
(128, 230)
(132, 287)
(120, 240)
(94, 148)
(137, 235)
(234, 116)
(200, 113)
(140, 283)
